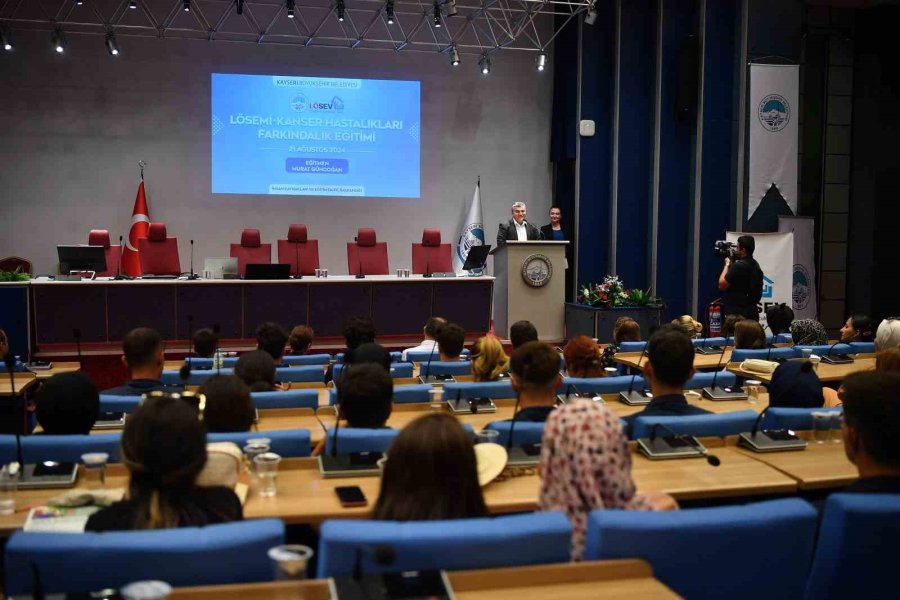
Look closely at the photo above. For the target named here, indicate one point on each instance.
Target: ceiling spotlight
(187, 5)
(79, 2)
(339, 5)
(450, 8)
(591, 16)
(132, 4)
(540, 61)
(437, 15)
(111, 45)
(454, 56)
(389, 11)
(58, 41)
(484, 63)
(240, 7)
(290, 8)
(6, 38)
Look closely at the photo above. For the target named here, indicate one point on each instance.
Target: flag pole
(142, 164)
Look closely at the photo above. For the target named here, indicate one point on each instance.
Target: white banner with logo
(774, 132)
(804, 280)
(471, 233)
(773, 253)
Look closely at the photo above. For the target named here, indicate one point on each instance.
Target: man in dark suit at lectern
(517, 228)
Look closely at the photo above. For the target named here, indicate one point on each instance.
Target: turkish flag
(140, 225)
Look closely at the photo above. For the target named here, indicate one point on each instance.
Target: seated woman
(583, 357)
(808, 332)
(257, 370)
(749, 335)
(796, 385)
(300, 340)
(858, 328)
(364, 393)
(729, 323)
(68, 403)
(586, 465)
(888, 335)
(692, 327)
(430, 473)
(164, 449)
(779, 318)
(490, 360)
(626, 329)
(229, 406)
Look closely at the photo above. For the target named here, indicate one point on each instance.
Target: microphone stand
(725, 393)
(76, 333)
(299, 274)
(427, 272)
(10, 361)
(712, 459)
(631, 397)
(359, 272)
(193, 275)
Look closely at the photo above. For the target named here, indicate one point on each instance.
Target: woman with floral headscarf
(808, 332)
(586, 465)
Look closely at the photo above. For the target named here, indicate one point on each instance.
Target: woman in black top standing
(555, 232)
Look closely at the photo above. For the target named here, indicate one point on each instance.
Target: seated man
(370, 353)
(429, 344)
(143, 355)
(534, 374)
(871, 431)
(68, 403)
(357, 330)
(364, 396)
(450, 340)
(206, 341)
(271, 338)
(670, 363)
(300, 340)
(522, 332)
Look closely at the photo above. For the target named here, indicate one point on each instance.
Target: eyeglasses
(195, 399)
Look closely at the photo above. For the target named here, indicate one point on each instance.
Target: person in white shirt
(429, 344)
(517, 228)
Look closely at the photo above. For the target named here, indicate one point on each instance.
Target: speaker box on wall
(686, 96)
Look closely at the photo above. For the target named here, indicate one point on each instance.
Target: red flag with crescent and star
(140, 226)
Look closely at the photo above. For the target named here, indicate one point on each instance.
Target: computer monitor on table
(81, 258)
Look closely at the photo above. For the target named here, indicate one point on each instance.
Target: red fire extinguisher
(714, 318)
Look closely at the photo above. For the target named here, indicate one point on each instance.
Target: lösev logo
(768, 287)
(300, 103)
(774, 112)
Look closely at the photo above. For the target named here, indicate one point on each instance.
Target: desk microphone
(629, 396)
(427, 272)
(725, 393)
(512, 424)
(839, 358)
(218, 355)
(10, 361)
(299, 274)
(76, 333)
(193, 275)
(712, 459)
(185, 372)
(359, 272)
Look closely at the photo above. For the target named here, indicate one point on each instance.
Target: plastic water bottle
(20, 366)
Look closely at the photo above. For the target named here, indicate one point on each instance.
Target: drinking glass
(821, 426)
(267, 471)
(290, 561)
(754, 387)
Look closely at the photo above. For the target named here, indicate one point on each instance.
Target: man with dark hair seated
(271, 338)
(357, 331)
(871, 430)
(205, 343)
(369, 354)
(364, 396)
(143, 354)
(670, 363)
(450, 340)
(779, 318)
(68, 403)
(534, 374)
(522, 332)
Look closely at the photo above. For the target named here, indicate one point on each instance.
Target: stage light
(290, 8)
(389, 11)
(111, 45)
(187, 5)
(540, 61)
(450, 8)
(58, 41)
(79, 2)
(132, 4)
(454, 56)
(591, 16)
(339, 5)
(240, 7)
(484, 63)
(6, 38)
(437, 15)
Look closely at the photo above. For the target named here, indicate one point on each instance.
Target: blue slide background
(244, 163)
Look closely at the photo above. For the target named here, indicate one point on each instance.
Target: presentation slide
(313, 136)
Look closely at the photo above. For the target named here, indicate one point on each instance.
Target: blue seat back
(355, 439)
(307, 374)
(856, 556)
(742, 354)
(823, 349)
(198, 362)
(439, 367)
(784, 338)
(601, 385)
(536, 538)
(632, 346)
(395, 357)
(708, 342)
(524, 433)
(229, 361)
(423, 356)
(306, 359)
(479, 389)
(703, 553)
(61, 448)
(705, 379)
(793, 418)
(398, 370)
(125, 404)
(287, 443)
(287, 399)
(212, 555)
(408, 394)
(197, 377)
(730, 423)
(862, 347)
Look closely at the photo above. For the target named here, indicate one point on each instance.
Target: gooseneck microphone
(712, 459)
(337, 425)
(359, 271)
(299, 274)
(512, 423)
(76, 333)
(218, 355)
(185, 372)
(10, 361)
(193, 275)
(629, 396)
(427, 272)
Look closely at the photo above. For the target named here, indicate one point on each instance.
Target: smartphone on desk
(351, 496)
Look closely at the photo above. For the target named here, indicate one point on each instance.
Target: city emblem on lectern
(537, 270)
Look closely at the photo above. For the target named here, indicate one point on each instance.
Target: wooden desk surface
(826, 372)
(820, 466)
(701, 361)
(313, 589)
(23, 381)
(58, 367)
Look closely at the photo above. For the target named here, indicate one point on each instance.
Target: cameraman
(742, 280)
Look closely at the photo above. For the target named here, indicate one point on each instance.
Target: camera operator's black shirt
(744, 279)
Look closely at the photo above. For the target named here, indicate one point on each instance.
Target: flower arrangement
(17, 275)
(613, 293)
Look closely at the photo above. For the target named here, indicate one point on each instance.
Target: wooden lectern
(531, 285)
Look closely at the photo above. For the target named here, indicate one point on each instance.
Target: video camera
(726, 249)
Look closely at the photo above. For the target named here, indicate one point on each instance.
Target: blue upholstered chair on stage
(61, 448)
(705, 379)
(704, 553)
(740, 355)
(856, 555)
(284, 442)
(862, 347)
(306, 359)
(524, 433)
(632, 346)
(307, 374)
(356, 439)
(530, 539)
(423, 356)
(601, 385)
(308, 398)
(720, 425)
(212, 555)
(793, 418)
(439, 367)
(708, 342)
(125, 404)
(398, 370)
(479, 389)
(197, 377)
